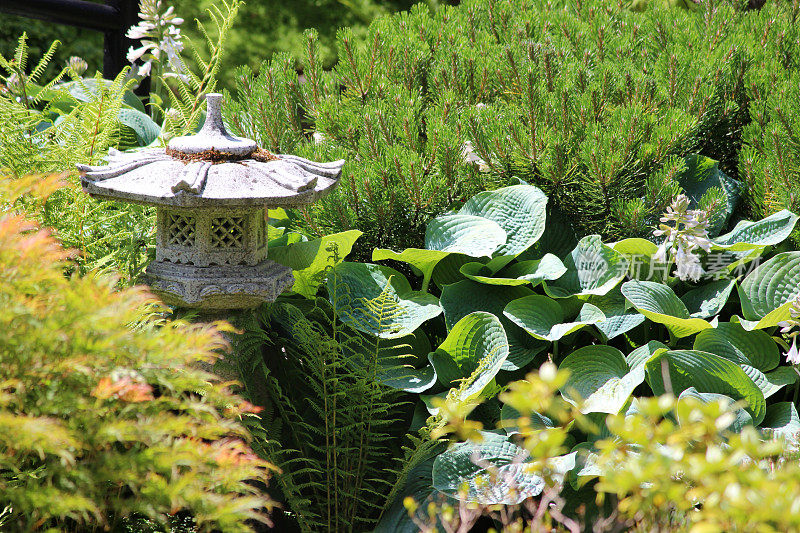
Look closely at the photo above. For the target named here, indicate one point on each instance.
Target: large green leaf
(768, 231)
(378, 300)
(642, 354)
(592, 268)
(731, 341)
(600, 377)
(705, 372)
(701, 174)
(782, 422)
(531, 272)
(767, 293)
(424, 260)
(143, 126)
(464, 234)
(309, 260)
(399, 362)
(475, 349)
(708, 300)
(509, 479)
(509, 417)
(639, 254)
(742, 417)
(777, 379)
(618, 319)
(659, 303)
(520, 210)
(543, 317)
(558, 238)
(462, 298)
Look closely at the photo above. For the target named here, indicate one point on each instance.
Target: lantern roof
(210, 169)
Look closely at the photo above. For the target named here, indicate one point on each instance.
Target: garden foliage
(596, 105)
(105, 415)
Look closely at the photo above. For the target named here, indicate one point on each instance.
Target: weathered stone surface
(210, 191)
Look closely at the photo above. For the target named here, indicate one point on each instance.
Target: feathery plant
(329, 423)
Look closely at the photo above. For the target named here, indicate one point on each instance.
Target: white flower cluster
(793, 355)
(160, 38)
(684, 239)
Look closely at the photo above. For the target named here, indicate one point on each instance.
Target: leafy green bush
(596, 105)
(104, 412)
(696, 316)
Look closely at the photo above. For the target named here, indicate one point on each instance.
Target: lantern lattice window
(181, 230)
(227, 232)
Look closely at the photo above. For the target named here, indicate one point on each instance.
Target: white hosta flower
(683, 240)
(793, 355)
(78, 65)
(160, 39)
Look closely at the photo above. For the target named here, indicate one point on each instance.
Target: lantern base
(218, 286)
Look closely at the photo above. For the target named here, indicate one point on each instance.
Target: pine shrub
(594, 103)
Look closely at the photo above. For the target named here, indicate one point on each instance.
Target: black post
(112, 18)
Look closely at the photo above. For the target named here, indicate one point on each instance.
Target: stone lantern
(210, 191)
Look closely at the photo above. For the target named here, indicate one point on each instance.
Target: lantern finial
(213, 140)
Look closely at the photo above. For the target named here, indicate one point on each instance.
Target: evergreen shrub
(595, 104)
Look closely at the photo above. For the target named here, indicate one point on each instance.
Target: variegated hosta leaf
(543, 317)
(531, 272)
(378, 300)
(731, 341)
(462, 298)
(659, 303)
(782, 422)
(520, 210)
(593, 268)
(308, 260)
(768, 231)
(677, 370)
(464, 234)
(618, 319)
(599, 378)
(474, 350)
(742, 417)
(766, 293)
(493, 471)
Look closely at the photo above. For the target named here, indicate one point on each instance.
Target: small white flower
(793, 355)
(470, 156)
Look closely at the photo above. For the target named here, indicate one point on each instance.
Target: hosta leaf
(464, 234)
(642, 354)
(618, 319)
(767, 293)
(705, 372)
(424, 260)
(462, 298)
(659, 303)
(741, 420)
(768, 231)
(778, 379)
(543, 317)
(308, 260)
(558, 238)
(592, 268)
(509, 417)
(398, 360)
(378, 300)
(782, 422)
(599, 376)
(146, 130)
(701, 174)
(639, 254)
(510, 479)
(708, 300)
(733, 342)
(531, 272)
(520, 210)
(477, 342)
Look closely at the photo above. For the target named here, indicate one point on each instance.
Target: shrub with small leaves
(104, 412)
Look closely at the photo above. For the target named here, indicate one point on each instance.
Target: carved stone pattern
(181, 230)
(227, 232)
